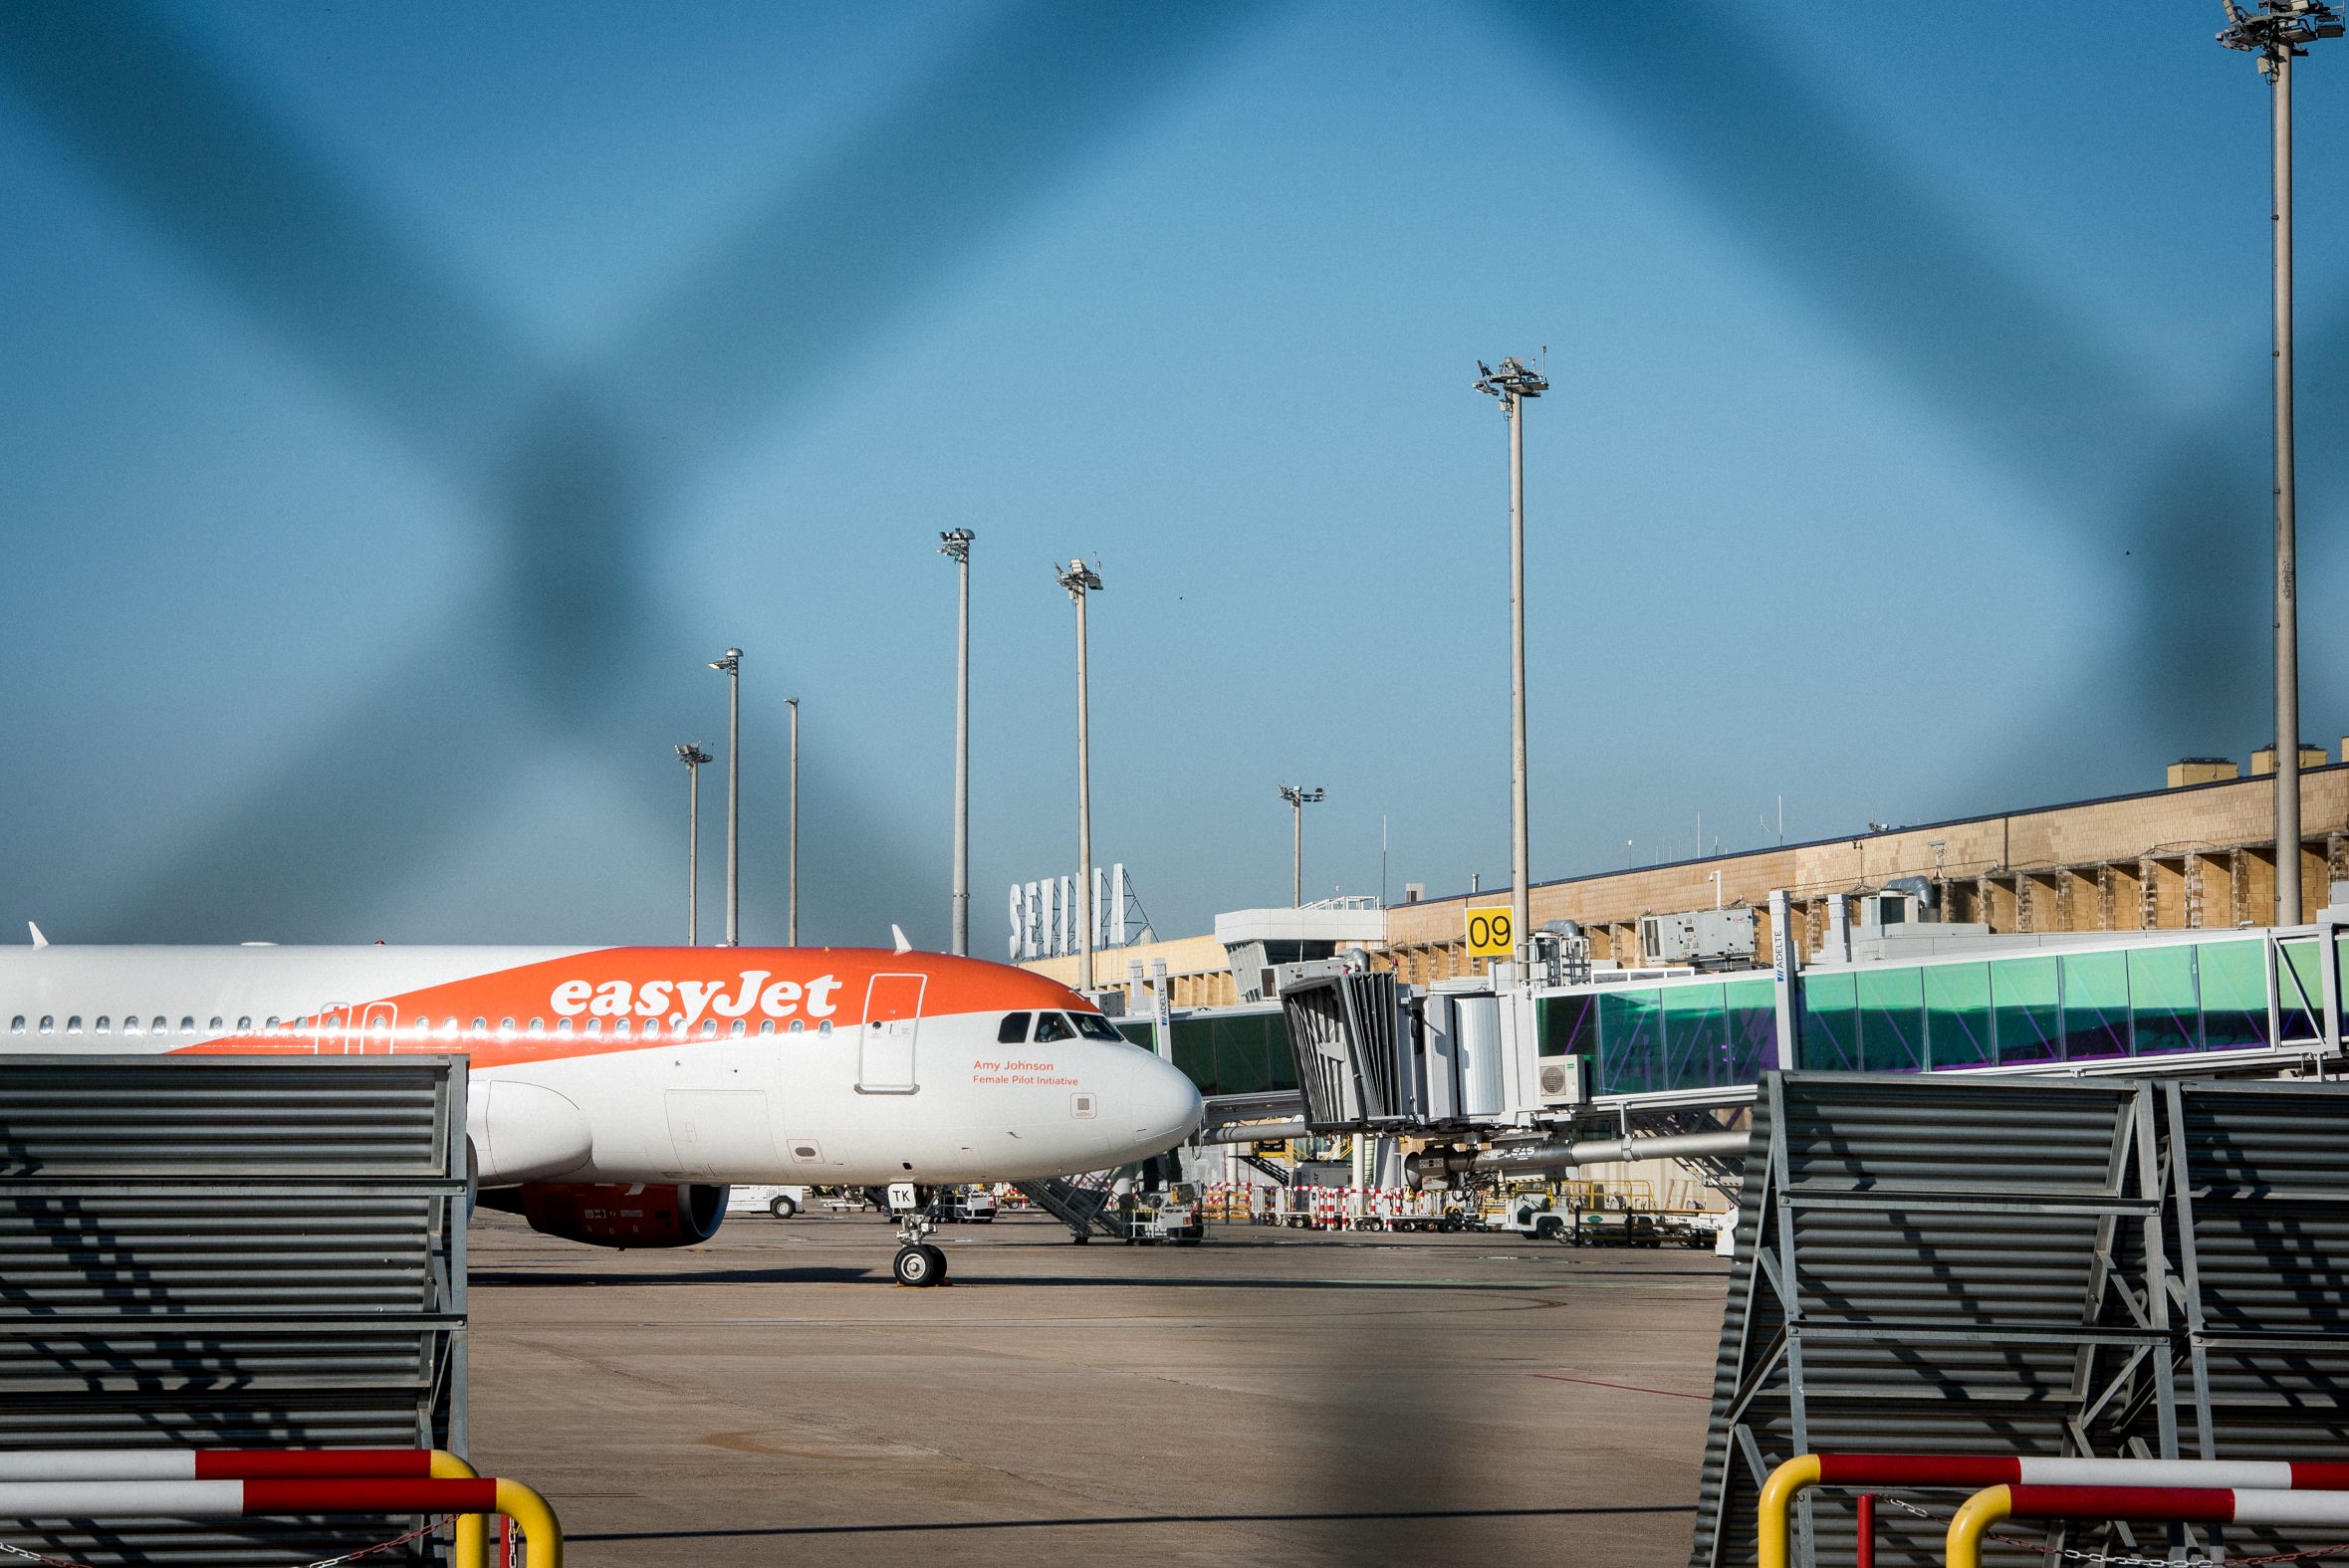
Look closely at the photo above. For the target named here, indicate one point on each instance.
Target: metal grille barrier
(229, 1252)
(2026, 1266)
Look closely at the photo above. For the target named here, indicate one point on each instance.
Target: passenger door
(884, 1046)
(371, 1032)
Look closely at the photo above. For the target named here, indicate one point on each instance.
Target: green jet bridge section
(1669, 1052)
(2128, 1003)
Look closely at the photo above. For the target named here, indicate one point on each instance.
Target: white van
(781, 1202)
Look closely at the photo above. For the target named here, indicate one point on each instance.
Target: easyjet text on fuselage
(689, 1000)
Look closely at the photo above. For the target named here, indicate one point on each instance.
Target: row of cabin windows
(622, 1028)
(103, 1025)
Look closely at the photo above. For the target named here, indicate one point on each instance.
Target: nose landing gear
(918, 1262)
(920, 1265)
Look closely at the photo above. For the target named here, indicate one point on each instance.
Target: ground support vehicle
(966, 1206)
(1299, 1207)
(1600, 1219)
(1537, 1215)
(781, 1202)
(1424, 1210)
(1627, 1214)
(1174, 1216)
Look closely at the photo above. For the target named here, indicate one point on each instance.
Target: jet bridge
(1374, 1056)
(1355, 1065)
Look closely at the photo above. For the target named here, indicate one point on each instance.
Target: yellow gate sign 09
(1491, 933)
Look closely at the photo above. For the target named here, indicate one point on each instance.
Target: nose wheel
(920, 1265)
(917, 1262)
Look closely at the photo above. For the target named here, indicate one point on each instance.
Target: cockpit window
(1052, 1026)
(1012, 1030)
(1096, 1028)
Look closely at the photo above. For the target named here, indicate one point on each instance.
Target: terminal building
(2130, 936)
(2198, 854)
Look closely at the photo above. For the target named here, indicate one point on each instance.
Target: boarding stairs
(1277, 1170)
(1724, 1174)
(1081, 1203)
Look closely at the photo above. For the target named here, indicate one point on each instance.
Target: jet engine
(616, 1213)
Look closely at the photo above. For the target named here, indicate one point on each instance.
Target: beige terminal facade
(2198, 854)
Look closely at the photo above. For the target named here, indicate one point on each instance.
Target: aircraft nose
(1166, 1107)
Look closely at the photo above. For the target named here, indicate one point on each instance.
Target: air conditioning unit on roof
(1559, 1080)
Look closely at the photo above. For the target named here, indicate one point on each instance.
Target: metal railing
(195, 1484)
(2177, 1504)
(2060, 1488)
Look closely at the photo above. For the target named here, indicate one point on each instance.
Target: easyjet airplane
(617, 1091)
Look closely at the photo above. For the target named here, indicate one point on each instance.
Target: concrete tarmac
(1272, 1395)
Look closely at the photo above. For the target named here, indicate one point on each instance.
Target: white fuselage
(660, 1064)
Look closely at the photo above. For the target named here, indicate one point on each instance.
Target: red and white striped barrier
(1925, 1470)
(2194, 1504)
(165, 1498)
(2306, 1506)
(127, 1464)
(38, 1470)
(1227, 1199)
(1374, 1208)
(2321, 1480)
(1329, 1208)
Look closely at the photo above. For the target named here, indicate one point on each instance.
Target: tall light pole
(692, 756)
(2275, 32)
(956, 544)
(1513, 383)
(791, 930)
(1298, 798)
(730, 665)
(1081, 580)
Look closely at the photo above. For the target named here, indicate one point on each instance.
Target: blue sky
(404, 401)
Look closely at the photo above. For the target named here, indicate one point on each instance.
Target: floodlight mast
(2275, 32)
(1513, 383)
(791, 931)
(692, 756)
(729, 664)
(1082, 580)
(1298, 798)
(955, 544)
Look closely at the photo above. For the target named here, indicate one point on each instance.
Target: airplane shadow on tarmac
(957, 1526)
(493, 1279)
(1256, 1282)
(498, 1279)
(1241, 1282)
